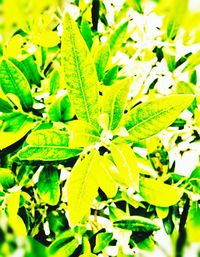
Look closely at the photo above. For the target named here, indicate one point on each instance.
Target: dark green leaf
(13, 81)
(48, 186)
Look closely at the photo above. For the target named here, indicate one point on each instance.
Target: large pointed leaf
(82, 188)
(126, 163)
(80, 73)
(13, 81)
(48, 186)
(114, 101)
(149, 118)
(158, 193)
(86, 177)
(48, 145)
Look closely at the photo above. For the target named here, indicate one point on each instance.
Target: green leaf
(13, 81)
(86, 33)
(111, 75)
(101, 60)
(48, 145)
(117, 38)
(102, 240)
(80, 73)
(176, 18)
(29, 68)
(149, 118)
(157, 193)
(61, 110)
(11, 134)
(7, 179)
(54, 82)
(136, 224)
(126, 163)
(48, 186)
(5, 106)
(193, 223)
(82, 187)
(82, 134)
(114, 101)
(64, 245)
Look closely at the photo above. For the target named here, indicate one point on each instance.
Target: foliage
(99, 104)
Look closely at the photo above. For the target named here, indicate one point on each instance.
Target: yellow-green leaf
(82, 187)
(80, 73)
(114, 101)
(157, 193)
(82, 134)
(126, 163)
(149, 118)
(48, 145)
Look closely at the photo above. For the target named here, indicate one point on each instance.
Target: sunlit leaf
(86, 176)
(80, 73)
(154, 192)
(48, 145)
(149, 118)
(114, 101)
(82, 134)
(126, 163)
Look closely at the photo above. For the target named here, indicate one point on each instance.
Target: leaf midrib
(78, 70)
(151, 118)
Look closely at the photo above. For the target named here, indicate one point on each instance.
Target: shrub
(99, 118)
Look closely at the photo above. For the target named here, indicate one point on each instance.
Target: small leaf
(117, 38)
(48, 145)
(154, 192)
(175, 18)
(13, 81)
(48, 186)
(10, 136)
(5, 106)
(86, 32)
(82, 134)
(64, 245)
(80, 73)
(149, 118)
(126, 163)
(111, 75)
(136, 224)
(13, 203)
(7, 179)
(102, 240)
(54, 82)
(193, 223)
(114, 102)
(29, 68)
(101, 60)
